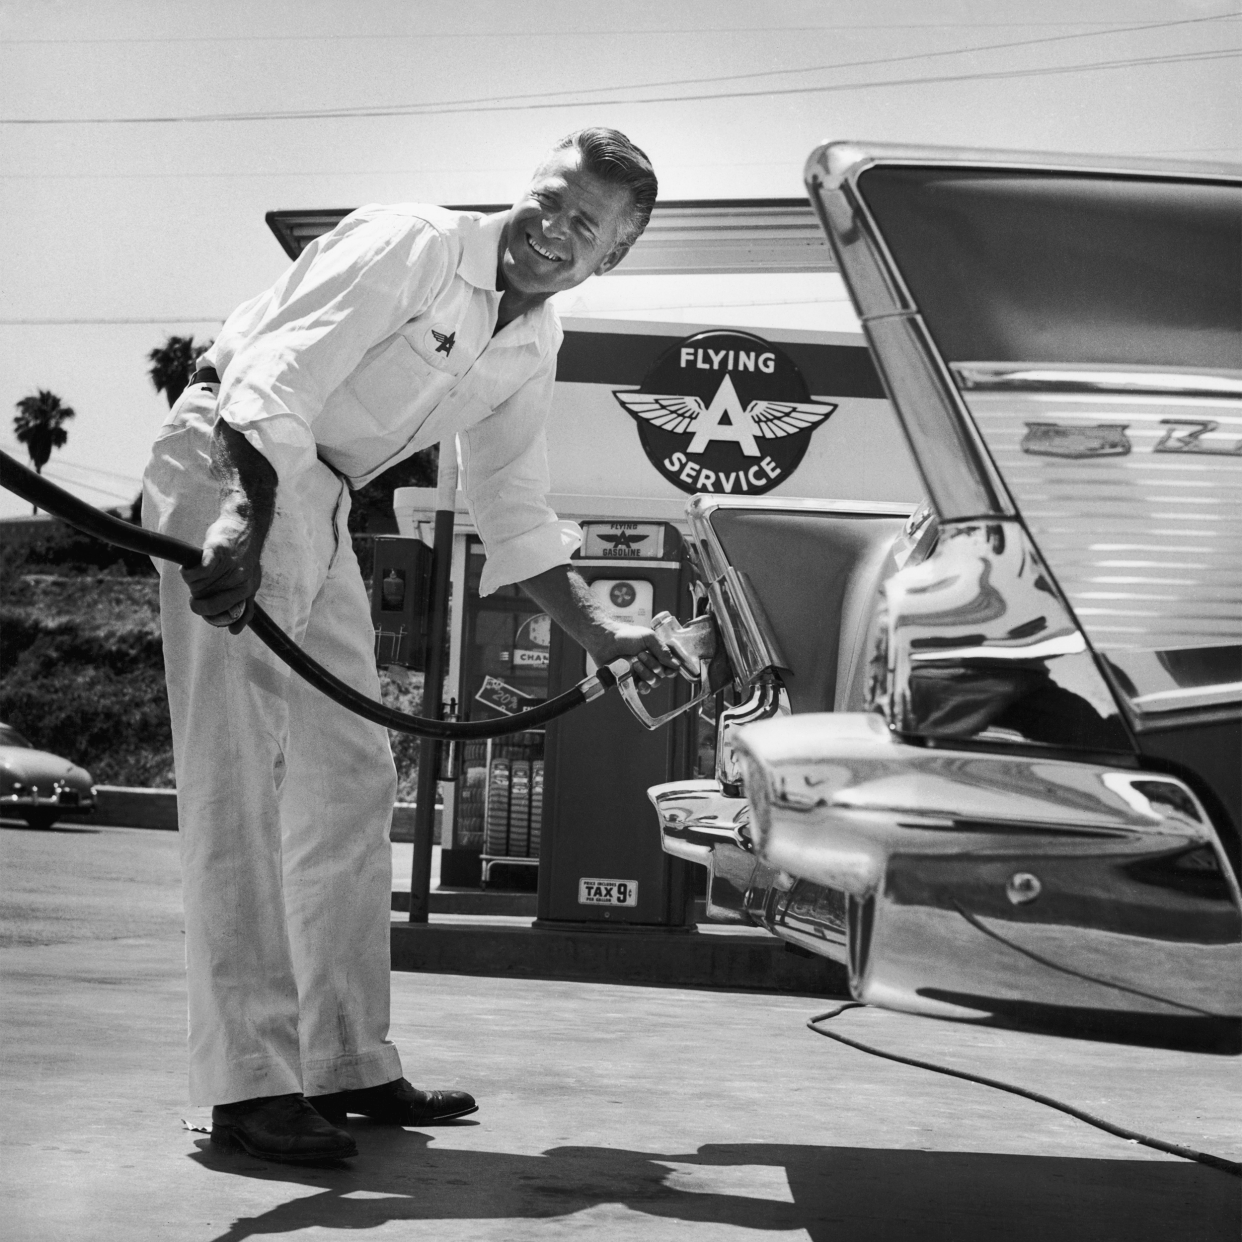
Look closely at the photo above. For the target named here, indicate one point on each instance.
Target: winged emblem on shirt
(725, 418)
(444, 341)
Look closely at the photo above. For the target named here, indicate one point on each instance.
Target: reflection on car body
(989, 761)
(38, 786)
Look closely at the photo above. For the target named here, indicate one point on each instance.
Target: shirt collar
(480, 251)
(480, 257)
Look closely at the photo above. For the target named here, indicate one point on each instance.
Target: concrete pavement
(607, 1111)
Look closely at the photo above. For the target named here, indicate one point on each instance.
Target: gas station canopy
(684, 237)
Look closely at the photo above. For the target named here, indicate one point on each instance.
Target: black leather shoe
(283, 1128)
(396, 1104)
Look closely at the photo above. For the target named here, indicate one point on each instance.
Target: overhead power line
(610, 33)
(90, 487)
(115, 476)
(543, 96)
(60, 461)
(558, 99)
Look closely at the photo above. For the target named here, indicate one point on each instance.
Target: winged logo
(724, 411)
(623, 541)
(444, 341)
(686, 414)
(770, 419)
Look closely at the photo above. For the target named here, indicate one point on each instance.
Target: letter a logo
(739, 429)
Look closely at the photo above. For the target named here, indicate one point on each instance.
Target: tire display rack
(512, 803)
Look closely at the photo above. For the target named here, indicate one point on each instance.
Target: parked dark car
(38, 786)
(989, 757)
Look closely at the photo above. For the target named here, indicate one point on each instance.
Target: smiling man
(402, 328)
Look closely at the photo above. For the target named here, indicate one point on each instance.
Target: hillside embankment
(82, 665)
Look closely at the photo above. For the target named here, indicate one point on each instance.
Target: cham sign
(724, 412)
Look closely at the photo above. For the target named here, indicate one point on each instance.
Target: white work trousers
(284, 799)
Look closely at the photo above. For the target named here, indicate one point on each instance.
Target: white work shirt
(377, 343)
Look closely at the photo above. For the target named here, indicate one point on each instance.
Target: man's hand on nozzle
(223, 586)
(647, 653)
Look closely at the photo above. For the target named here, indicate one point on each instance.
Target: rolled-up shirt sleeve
(505, 464)
(302, 339)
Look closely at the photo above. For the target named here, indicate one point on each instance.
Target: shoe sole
(433, 1121)
(338, 1119)
(231, 1140)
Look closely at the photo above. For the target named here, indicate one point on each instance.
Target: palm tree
(39, 425)
(171, 365)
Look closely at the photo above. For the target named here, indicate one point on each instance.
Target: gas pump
(601, 861)
(400, 598)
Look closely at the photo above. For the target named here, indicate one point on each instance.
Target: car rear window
(1018, 266)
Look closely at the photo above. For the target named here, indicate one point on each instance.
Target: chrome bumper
(704, 825)
(696, 816)
(83, 805)
(1041, 893)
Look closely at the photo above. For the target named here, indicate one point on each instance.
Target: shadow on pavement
(888, 1195)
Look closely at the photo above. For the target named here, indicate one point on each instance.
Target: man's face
(564, 229)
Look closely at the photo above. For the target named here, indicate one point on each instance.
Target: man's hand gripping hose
(16, 478)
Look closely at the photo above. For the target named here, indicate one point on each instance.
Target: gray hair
(615, 160)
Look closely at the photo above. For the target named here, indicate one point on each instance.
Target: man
(404, 326)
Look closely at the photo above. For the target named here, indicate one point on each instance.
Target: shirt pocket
(396, 387)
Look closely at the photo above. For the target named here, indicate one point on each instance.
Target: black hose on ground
(23, 482)
(1134, 1136)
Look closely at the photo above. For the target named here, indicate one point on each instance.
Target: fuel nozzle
(694, 646)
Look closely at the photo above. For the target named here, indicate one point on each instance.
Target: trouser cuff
(351, 1072)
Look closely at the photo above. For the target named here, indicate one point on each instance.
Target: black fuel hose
(23, 482)
(1232, 1167)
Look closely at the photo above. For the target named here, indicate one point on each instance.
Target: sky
(142, 141)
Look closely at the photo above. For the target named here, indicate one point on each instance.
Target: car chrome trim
(740, 618)
(1190, 696)
(1038, 377)
(695, 816)
(840, 162)
(862, 258)
(703, 506)
(955, 468)
(1134, 500)
(1009, 880)
(34, 799)
(975, 641)
(744, 628)
(951, 460)
(730, 876)
(812, 938)
(767, 698)
(701, 824)
(813, 917)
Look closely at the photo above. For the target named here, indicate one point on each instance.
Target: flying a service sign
(724, 412)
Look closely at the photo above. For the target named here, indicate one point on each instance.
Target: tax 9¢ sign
(724, 412)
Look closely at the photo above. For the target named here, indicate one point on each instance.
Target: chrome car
(993, 766)
(38, 786)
